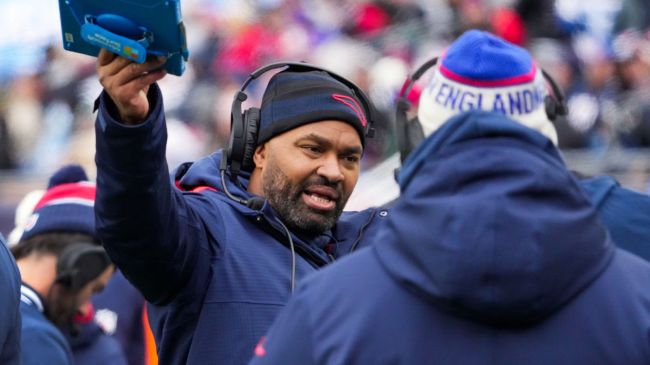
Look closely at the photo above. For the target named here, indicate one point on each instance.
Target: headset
(409, 132)
(80, 263)
(238, 156)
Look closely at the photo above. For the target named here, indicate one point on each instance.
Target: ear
(259, 157)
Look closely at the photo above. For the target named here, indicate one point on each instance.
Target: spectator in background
(492, 254)
(593, 109)
(632, 50)
(10, 322)
(61, 267)
(558, 59)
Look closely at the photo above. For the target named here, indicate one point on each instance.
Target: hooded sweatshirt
(213, 271)
(492, 255)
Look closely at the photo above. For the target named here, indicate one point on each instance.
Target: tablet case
(133, 29)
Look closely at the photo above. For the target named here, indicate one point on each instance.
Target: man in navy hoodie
(217, 255)
(493, 253)
(10, 304)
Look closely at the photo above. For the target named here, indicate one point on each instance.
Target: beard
(62, 305)
(286, 199)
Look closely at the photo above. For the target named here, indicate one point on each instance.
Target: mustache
(323, 181)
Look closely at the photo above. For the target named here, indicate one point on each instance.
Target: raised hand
(127, 83)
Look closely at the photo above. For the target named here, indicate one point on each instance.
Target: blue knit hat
(481, 71)
(293, 99)
(66, 206)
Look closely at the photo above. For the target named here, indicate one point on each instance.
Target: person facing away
(10, 320)
(493, 254)
(624, 212)
(62, 265)
(215, 255)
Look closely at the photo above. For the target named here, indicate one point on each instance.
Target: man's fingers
(105, 57)
(141, 83)
(116, 66)
(150, 78)
(109, 65)
(134, 71)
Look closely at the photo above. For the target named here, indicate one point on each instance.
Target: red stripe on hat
(510, 81)
(68, 192)
(350, 102)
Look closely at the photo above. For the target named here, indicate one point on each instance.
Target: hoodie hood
(205, 173)
(491, 225)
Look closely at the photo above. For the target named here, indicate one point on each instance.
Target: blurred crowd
(597, 51)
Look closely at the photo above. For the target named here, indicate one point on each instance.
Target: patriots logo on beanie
(293, 99)
(66, 206)
(480, 71)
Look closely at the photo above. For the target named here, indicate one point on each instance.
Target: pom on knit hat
(480, 71)
(293, 99)
(67, 174)
(66, 206)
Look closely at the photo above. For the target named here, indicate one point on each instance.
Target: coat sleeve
(624, 213)
(290, 338)
(11, 318)
(146, 225)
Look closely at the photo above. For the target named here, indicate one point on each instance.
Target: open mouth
(320, 198)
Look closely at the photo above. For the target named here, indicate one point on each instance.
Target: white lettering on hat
(516, 102)
(444, 98)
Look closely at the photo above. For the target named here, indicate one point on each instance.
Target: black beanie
(293, 99)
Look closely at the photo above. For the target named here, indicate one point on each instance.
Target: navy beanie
(293, 99)
(66, 206)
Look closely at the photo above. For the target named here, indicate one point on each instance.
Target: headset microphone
(255, 203)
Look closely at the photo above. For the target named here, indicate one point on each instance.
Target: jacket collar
(30, 297)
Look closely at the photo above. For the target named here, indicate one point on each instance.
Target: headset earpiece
(555, 104)
(551, 108)
(232, 156)
(409, 132)
(79, 264)
(251, 124)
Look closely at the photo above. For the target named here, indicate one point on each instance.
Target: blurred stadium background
(598, 51)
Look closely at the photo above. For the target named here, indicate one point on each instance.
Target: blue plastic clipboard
(133, 29)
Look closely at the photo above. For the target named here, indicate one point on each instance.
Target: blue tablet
(133, 29)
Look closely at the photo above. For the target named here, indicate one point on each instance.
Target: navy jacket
(625, 213)
(214, 271)
(493, 254)
(10, 307)
(41, 342)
